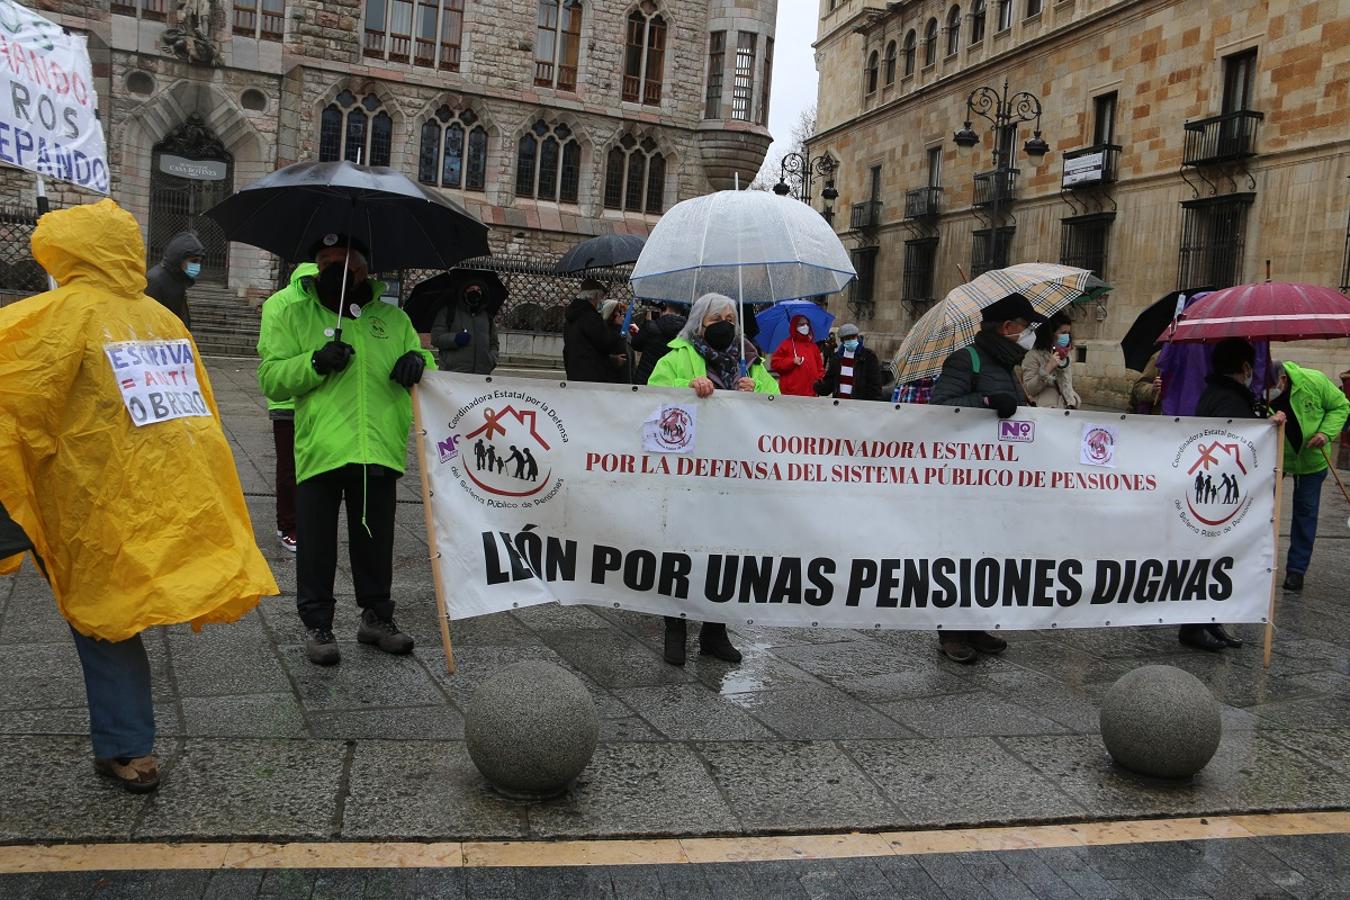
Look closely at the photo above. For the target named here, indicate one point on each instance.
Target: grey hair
(607, 308)
(590, 295)
(703, 307)
(1276, 370)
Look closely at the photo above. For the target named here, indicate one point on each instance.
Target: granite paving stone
(59, 797)
(612, 659)
(251, 715)
(691, 712)
(952, 715)
(366, 677)
(403, 723)
(817, 712)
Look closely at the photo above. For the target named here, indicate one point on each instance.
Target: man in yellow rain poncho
(113, 461)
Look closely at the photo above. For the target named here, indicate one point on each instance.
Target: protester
(282, 412)
(612, 313)
(919, 391)
(1146, 393)
(1047, 370)
(464, 332)
(981, 376)
(128, 498)
(589, 345)
(352, 418)
(1315, 413)
(797, 360)
(854, 372)
(168, 280)
(705, 357)
(654, 337)
(1228, 395)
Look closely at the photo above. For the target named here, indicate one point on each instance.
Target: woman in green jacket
(705, 357)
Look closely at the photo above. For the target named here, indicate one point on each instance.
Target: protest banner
(48, 108)
(788, 511)
(157, 380)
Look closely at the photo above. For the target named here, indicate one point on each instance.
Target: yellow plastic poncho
(138, 525)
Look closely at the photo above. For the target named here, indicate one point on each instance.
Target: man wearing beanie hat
(981, 376)
(588, 343)
(854, 372)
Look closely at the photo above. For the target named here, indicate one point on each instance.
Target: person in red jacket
(797, 361)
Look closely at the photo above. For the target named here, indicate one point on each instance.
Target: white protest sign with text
(793, 511)
(157, 380)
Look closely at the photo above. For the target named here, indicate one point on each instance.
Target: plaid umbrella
(953, 323)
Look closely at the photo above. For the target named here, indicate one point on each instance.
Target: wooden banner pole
(432, 545)
(1275, 568)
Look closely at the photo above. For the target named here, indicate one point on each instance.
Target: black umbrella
(429, 296)
(404, 225)
(601, 252)
(1142, 340)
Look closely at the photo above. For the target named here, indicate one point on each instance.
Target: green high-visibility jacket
(272, 307)
(1320, 406)
(357, 415)
(682, 364)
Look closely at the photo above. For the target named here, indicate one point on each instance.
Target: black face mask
(330, 282)
(473, 301)
(719, 335)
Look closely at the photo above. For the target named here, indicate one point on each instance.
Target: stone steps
(223, 323)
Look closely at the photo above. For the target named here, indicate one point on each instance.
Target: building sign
(786, 511)
(48, 109)
(1086, 169)
(195, 169)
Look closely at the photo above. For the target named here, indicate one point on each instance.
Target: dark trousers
(372, 553)
(283, 436)
(1303, 524)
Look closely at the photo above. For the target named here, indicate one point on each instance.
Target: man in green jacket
(1315, 412)
(353, 411)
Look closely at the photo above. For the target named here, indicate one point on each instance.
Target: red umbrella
(1272, 311)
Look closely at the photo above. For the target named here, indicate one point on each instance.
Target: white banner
(48, 108)
(788, 511)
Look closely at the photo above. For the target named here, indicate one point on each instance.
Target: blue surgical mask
(851, 344)
(192, 270)
(1063, 339)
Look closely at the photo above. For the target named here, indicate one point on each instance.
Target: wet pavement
(817, 730)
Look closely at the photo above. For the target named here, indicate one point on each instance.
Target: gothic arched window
(635, 176)
(557, 46)
(360, 132)
(548, 163)
(644, 57)
(453, 151)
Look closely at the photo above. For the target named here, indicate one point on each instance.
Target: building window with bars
(990, 251)
(548, 163)
(920, 260)
(717, 60)
(765, 82)
(635, 176)
(1083, 242)
(154, 10)
(265, 20)
(453, 151)
(557, 48)
(743, 84)
(1213, 240)
(360, 132)
(644, 56)
(860, 295)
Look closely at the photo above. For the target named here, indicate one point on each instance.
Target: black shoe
(713, 641)
(984, 642)
(1293, 581)
(383, 633)
(956, 648)
(1221, 633)
(674, 641)
(321, 647)
(1199, 637)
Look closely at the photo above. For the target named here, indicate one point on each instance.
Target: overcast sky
(794, 70)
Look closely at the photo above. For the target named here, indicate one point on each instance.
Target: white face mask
(803, 329)
(1027, 339)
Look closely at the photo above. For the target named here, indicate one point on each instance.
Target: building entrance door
(191, 171)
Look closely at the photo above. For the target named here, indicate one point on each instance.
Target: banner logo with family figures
(1217, 466)
(500, 449)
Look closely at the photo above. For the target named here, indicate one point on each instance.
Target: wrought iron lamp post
(800, 169)
(1003, 111)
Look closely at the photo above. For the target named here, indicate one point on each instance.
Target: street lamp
(800, 168)
(1003, 111)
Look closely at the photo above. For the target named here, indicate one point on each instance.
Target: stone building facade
(552, 120)
(1191, 141)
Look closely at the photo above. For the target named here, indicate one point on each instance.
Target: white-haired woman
(706, 357)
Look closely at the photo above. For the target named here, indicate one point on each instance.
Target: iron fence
(1230, 136)
(20, 274)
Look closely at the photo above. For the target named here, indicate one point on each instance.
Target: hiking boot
(1222, 634)
(1293, 581)
(1199, 637)
(383, 633)
(139, 775)
(321, 647)
(713, 641)
(956, 648)
(984, 642)
(675, 634)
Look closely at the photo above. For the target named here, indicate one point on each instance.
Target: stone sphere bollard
(531, 728)
(1161, 721)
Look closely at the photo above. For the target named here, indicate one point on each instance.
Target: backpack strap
(974, 360)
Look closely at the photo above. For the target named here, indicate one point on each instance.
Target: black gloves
(408, 369)
(1003, 404)
(332, 357)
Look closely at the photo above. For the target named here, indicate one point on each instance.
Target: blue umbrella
(775, 323)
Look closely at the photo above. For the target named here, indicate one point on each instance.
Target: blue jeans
(1303, 526)
(117, 681)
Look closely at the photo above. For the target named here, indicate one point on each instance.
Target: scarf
(1004, 352)
(724, 367)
